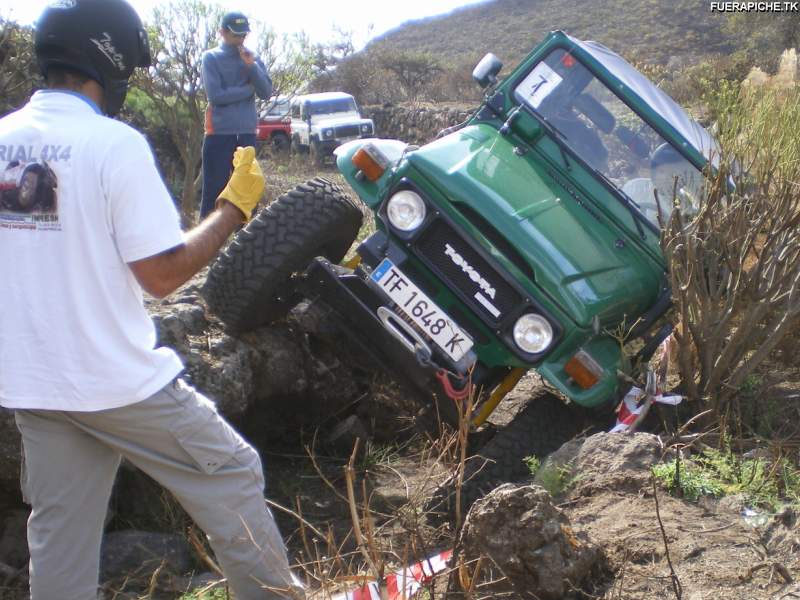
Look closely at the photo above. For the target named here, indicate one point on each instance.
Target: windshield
(274, 109)
(327, 107)
(610, 137)
(278, 108)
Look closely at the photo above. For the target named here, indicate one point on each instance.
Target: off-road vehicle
(525, 238)
(321, 122)
(274, 127)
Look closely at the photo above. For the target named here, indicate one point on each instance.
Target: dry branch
(676, 584)
(735, 265)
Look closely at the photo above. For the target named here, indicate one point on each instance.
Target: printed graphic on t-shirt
(28, 195)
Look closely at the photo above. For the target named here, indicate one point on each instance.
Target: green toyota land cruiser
(525, 238)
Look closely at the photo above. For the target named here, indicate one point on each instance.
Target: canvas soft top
(657, 100)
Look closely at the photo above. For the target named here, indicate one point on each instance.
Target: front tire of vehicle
(250, 283)
(280, 144)
(316, 154)
(296, 147)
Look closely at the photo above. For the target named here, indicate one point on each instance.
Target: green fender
(370, 192)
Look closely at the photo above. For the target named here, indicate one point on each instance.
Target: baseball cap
(236, 23)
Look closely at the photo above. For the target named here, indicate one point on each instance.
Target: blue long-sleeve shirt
(231, 87)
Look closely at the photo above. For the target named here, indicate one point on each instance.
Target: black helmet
(103, 39)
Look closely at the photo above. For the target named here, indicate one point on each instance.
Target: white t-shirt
(80, 197)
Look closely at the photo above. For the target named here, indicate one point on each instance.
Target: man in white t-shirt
(86, 223)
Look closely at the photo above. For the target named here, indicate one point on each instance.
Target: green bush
(688, 482)
(555, 478)
(215, 594)
(533, 463)
(716, 473)
(19, 74)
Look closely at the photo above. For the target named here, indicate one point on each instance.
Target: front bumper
(359, 305)
(356, 304)
(329, 145)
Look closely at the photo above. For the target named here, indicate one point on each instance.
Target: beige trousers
(177, 437)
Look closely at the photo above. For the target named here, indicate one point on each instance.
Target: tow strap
(458, 395)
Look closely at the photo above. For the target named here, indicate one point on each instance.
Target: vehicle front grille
(347, 131)
(497, 240)
(466, 271)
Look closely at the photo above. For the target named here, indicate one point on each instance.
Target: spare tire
(250, 283)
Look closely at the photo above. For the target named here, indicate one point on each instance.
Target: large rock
(288, 359)
(603, 461)
(10, 448)
(298, 366)
(530, 540)
(14, 540)
(137, 554)
(615, 461)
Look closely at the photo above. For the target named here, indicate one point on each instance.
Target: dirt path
(714, 551)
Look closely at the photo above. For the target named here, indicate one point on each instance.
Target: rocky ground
(609, 533)
(302, 396)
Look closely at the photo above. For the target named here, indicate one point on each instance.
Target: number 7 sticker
(538, 84)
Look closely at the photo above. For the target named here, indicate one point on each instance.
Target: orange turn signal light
(370, 161)
(583, 370)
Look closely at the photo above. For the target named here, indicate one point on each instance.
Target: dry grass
(378, 542)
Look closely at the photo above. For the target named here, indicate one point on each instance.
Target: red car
(274, 125)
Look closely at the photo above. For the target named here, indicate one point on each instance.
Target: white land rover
(321, 122)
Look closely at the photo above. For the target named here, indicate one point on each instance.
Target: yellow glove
(246, 184)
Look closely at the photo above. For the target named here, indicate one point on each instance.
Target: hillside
(646, 30)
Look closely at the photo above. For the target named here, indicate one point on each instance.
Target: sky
(364, 18)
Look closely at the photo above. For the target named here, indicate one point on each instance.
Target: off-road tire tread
(248, 282)
(540, 428)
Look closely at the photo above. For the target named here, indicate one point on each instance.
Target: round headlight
(366, 127)
(532, 333)
(327, 133)
(406, 210)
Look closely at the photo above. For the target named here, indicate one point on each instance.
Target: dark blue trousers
(218, 152)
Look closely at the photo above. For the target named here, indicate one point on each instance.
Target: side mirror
(485, 73)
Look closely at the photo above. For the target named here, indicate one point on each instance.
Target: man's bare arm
(162, 274)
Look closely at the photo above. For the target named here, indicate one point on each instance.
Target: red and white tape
(403, 584)
(629, 409)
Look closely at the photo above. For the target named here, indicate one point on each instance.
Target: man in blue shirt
(232, 77)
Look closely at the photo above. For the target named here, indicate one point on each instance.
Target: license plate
(422, 310)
